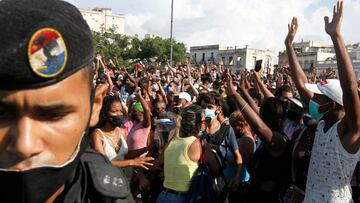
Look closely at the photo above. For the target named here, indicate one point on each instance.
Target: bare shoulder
(195, 150)
(97, 134)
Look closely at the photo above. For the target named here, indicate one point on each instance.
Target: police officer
(47, 104)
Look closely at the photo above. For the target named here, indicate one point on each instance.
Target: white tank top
(109, 150)
(331, 168)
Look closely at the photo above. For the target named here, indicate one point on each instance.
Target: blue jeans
(166, 197)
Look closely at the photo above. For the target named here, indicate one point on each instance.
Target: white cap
(296, 101)
(330, 88)
(185, 95)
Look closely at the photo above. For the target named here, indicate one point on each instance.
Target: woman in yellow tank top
(181, 157)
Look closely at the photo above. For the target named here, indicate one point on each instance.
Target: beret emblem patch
(47, 53)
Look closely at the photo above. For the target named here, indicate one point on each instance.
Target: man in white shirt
(336, 103)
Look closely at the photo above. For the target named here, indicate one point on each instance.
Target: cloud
(257, 23)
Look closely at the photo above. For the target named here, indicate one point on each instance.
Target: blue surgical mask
(170, 89)
(209, 113)
(314, 110)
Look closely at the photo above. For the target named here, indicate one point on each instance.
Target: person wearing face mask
(221, 137)
(109, 138)
(47, 104)
(294, 120)
(336, 103)
(181, 156)
(184, 100)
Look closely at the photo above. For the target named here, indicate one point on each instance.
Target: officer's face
(40, 127)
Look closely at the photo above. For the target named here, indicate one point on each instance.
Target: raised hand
(333, 28)
(292, 31)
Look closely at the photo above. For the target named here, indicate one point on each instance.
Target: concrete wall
(103, 18)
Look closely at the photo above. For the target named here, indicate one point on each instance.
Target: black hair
(107, 102)
(281, 90)
(88, 73)
(191, 118)
(225, 107)
(272, 113)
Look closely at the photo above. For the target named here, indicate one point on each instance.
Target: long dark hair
(191, 118)
(107, 102)
(272, 113)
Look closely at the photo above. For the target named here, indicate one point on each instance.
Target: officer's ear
(98, 101)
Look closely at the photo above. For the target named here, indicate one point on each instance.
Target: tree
(129, 50)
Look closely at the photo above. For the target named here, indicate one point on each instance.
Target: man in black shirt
(47, 104)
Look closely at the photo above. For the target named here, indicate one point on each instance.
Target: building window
(312, 64)
(230, 60)
(195, 57)
(223, 59)
(203, 57)
(306, 64)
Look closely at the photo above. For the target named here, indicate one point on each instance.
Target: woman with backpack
(181, 157)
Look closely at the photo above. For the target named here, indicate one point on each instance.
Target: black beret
(42, 42)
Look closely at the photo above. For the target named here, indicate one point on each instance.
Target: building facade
(314, 55)
(100, 19)
(235, 58)
(309, 54)
(354, 53)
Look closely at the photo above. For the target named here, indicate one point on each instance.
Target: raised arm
(256, 123)
(347, 79)
(298, 75)
(147, 116)
(247, 96)
(131, 78)
(191, 80)
(261, 85)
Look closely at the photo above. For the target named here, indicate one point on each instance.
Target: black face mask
(39, 184)
(115, 121)
(35, 185)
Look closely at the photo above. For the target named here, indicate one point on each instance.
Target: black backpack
(203, 187)
(216, 142)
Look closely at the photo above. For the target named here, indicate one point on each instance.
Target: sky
(257, 23)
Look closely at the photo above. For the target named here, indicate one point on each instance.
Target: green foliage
(128, 50)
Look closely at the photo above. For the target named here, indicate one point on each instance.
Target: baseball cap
(296, 101)
(120, 77)
(138, 107)
(185, 95)
(42, 43)
(330, 88)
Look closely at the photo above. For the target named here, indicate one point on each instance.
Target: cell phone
(258, 65)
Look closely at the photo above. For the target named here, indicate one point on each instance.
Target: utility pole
(171, 32)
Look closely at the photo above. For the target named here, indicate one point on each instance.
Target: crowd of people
(72, 130)
(268, 138)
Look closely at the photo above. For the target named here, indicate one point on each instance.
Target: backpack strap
(202, 152)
